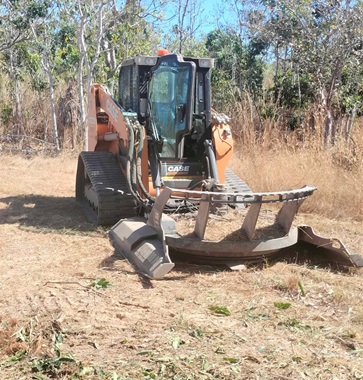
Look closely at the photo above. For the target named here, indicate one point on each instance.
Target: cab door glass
(169, 96)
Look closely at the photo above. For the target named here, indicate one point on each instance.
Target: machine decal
(178, 168)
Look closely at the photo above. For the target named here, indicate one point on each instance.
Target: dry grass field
(70, 308)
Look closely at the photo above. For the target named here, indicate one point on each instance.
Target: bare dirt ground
(59, 320)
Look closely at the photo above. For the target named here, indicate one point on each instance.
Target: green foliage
(238, 67)
(6, 114)
(220, 310)
(351, 90)
(294, 324)
(100, 283)
(133, 36)
(18, 356)
(66, 52)
(231, 360)
(192, 46)
(282, 305)
(293, 90)
(50, 365)
(317, 54)
(31, 66)
(302, 289)
(37, 9)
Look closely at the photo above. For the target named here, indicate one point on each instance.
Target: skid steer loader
(159, 155)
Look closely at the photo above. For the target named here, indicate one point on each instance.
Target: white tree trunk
(82, 107)
(328, 131)
(328, 120)
(17, 113)
(47, 67)
(52, 105)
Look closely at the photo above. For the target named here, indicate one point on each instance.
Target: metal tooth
(249, 224)
(287, 213)
(202, 216)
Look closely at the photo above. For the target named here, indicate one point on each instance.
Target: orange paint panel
(101, 101)
(116, 118)
(102, 129)
(223, 144)
(92, 121)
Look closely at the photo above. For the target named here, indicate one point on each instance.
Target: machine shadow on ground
(63, 214)
(182, 270)
(44, 213)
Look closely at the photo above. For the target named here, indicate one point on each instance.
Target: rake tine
(249, 224)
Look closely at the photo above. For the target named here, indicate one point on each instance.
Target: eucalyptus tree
(317, 40)
(13, 24)
(13, 30)
(188, 16)
(102, 28)
(131, 33)
(25, 26)
(42, 25)
(239, 67)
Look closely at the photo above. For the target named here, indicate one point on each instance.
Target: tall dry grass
(33, 131)
(270, 158)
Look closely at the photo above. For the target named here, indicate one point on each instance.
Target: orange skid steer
(156, 169)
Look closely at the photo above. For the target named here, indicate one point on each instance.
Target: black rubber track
(115, 201)
(234, 184)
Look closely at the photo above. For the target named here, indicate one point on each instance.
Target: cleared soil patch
(277, 321)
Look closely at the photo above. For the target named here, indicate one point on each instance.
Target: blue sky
(210, 5)
(214, 13)
(210, 11)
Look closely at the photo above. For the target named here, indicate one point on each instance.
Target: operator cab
(171, 96)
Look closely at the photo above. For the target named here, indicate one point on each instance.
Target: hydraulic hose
(139, 165)
(131, 163)
(129, 169)
(212, 160)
